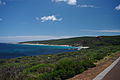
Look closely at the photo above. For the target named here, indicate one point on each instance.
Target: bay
(18, 50)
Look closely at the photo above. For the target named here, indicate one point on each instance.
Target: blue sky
(22, 20)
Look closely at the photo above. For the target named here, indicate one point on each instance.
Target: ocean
(17, 50)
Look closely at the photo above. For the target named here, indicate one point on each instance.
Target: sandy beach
(78, 48)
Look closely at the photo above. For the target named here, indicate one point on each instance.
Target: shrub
(67, 68)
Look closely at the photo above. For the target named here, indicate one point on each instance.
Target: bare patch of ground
(100, 66)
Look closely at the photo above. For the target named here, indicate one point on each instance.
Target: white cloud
(49, 18)
(2, 3)
(70, 2)
(106, 31)
(29, 38)
(117, 7)
(86, 6)
(114, 31)
(1, 19)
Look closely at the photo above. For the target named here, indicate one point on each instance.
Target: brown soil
(93, 72)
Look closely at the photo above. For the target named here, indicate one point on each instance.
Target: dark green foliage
(66, 68)
(40, 68)
(11, 72)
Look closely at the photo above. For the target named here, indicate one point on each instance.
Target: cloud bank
(29, 38)
(104, 31)
(69, 2)
(114, 31)
(86, 6)
(49, 18)
(117, 7)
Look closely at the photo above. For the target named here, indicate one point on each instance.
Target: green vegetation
(82, 41)
(63, 65)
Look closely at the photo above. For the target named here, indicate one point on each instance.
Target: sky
(26, 20)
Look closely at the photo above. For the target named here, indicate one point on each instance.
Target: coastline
(46, 44)
(78, 48)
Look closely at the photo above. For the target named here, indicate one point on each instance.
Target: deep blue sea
(17, 50)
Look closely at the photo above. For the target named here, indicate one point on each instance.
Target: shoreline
(46, 44)
(78, 48)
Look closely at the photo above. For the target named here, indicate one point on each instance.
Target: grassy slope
(60, 66)
(82, 41)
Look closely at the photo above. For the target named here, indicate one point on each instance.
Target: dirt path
(93, 72)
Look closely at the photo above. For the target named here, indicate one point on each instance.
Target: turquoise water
(17, 50)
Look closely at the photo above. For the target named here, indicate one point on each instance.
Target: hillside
(82, 41)
(60, 66)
